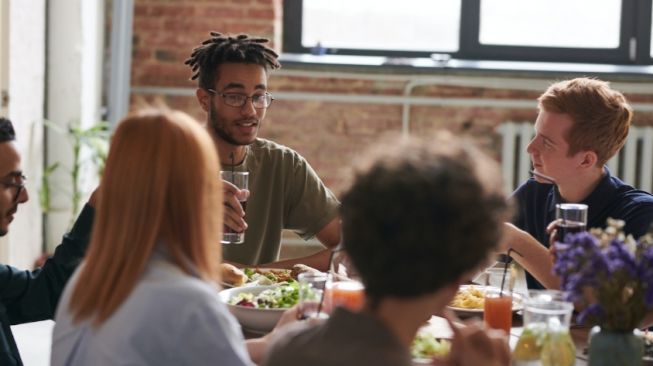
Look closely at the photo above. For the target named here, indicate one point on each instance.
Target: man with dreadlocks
(286, 193)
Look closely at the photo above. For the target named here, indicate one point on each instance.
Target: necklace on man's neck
(232, 156)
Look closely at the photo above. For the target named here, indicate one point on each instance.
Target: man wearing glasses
(286, 193)
(28, 296)
(14, 180)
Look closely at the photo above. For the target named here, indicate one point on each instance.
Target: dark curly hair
(219, 49)
(420, 214)
(6, 130)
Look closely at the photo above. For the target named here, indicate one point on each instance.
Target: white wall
(4, 90)
(74, 88)
(4, 55)
(26, 84)
(73, 63)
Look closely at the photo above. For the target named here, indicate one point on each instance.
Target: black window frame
(635, 24)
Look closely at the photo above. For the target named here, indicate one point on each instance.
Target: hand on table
(288, 317)
(472, 345)
(291, 316)
(258, 347)
(234, 214)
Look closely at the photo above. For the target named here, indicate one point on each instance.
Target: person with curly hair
(438, 221)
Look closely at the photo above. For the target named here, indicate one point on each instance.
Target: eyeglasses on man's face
(18, 182)
(238, 100)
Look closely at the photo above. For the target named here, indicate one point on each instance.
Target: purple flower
(615, 285)
(620, 259)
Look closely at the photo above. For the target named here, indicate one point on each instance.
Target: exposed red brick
(329, 134)
(165, 55)
(252, 28)
(141, 54)
(140, 10)
(145, 24)
(230, 13)
(263, 13)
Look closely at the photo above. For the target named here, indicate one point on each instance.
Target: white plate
(517, 301)
(253, 319)
(260, 282)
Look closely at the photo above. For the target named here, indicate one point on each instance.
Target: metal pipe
(121, 55)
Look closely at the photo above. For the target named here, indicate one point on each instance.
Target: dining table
(439, 327)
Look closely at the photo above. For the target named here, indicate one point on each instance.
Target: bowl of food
(252, 276)
(258, 308)
(268, 276)
(425, 346)
(470, 300)
(232, 276)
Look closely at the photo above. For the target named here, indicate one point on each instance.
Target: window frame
(644, 28)
(635, 24)
(292, 36)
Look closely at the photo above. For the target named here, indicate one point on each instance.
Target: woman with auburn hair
(147, 293)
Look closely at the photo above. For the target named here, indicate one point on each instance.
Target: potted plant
(609, 276)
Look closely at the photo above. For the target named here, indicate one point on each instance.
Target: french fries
(470, 297)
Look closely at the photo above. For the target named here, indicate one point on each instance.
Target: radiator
(633, 164)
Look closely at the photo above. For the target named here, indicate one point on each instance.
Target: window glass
(551, 23)
(414, 25)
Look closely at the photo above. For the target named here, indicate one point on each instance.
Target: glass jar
(545, 339)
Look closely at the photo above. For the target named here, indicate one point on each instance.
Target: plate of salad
(425, 346)
(258, 308)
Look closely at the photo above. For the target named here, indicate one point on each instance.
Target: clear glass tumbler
(545, 339)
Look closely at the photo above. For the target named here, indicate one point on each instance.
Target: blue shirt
(169, 318)
(536, 203)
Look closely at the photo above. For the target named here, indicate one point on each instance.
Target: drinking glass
(494, 277)
(311, 292)
(343, 287)
(572, 218)
(241, 181)
(497, 309)
(347, 293)
(545, 337)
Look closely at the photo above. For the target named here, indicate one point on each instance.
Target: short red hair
(601, 115)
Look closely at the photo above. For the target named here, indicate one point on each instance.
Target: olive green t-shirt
(285, 193)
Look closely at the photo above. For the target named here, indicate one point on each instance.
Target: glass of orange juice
(344, 287)
(349, 294)
(497, 309)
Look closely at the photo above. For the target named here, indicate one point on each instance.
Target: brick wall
(328, 134)
(165, 31)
